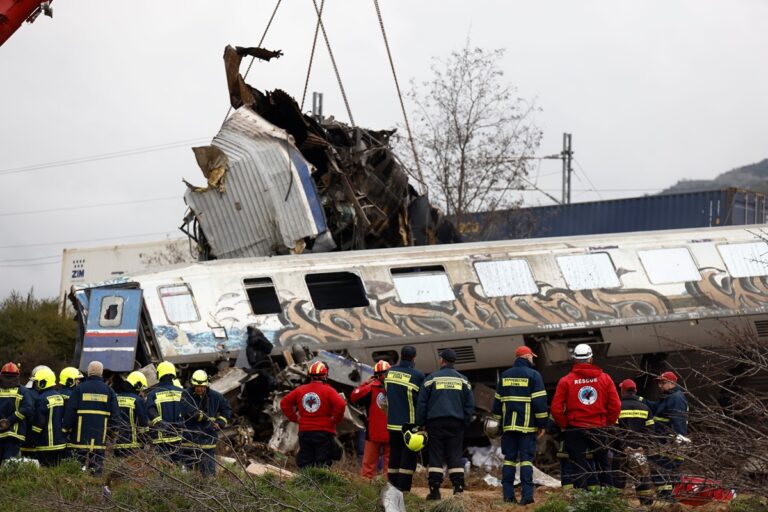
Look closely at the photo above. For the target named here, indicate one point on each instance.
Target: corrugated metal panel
(671, 211)
(270, 199)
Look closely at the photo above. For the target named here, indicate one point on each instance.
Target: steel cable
(311, 56)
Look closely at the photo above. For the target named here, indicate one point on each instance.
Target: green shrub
(606, 499)
(749, 504)
(553, 504)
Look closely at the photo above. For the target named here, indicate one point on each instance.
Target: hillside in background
(752, 177)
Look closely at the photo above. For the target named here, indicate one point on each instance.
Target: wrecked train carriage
(645, 296)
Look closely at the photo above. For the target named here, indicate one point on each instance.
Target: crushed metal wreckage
(281, 182)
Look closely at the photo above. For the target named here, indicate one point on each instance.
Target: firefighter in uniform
(69, 378)
(373, 397)
(48, 440)
(15, 407)
(165, 413)
(629, 449)
(317, 408)
(566, 468)
(445, 408)
(402, 385)
(28, 446)
(90, 409)
(133, 422)
(206, 412)
(520, 404)
(585, 403)
(670, 416)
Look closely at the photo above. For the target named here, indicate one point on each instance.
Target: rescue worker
(317, 408)
(585, 403)
(445, 408)
(566, 468)
(520, 404)
(632, 438)
(15, 407)
(133, 423)
(373, 397)
(28, 446)
(257, 351)
(206, 412)
(48, 438)
(166, 415)
(69, 378)
(89, 411)
(670, 416)
(402, 384)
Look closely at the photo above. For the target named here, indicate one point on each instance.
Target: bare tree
(473, 133)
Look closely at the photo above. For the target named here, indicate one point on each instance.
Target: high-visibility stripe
(36, 430)
(406, 471)
(649, 423)
(515, 399)
(633, 413)
(91, 411)
(92, 446)
(541, 415)
(453, 471)
(659, 418)
(95, 397)
(50, 448)
(510, 463)
(537, 394)
(526, 463)
(435, 470)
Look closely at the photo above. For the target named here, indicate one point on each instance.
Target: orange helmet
(10, 368)
(381, 366)
(318, 369)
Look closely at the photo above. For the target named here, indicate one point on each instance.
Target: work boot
(458, 489)
(434, 492)
(526, 501)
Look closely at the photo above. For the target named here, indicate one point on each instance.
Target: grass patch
(748, 504)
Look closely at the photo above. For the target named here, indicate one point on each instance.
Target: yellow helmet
(69, 376)
(45, 378)
(165, 368)
(137, 380)
(415, 441)
(199, 378)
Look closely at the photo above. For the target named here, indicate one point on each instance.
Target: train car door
(111, 331)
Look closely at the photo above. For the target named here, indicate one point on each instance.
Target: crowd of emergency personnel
(76, 416)
(605, 437)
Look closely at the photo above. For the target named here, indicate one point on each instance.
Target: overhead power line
(66, 242)
(31, 264)
(88, 206)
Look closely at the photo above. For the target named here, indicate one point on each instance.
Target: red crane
(14, 12)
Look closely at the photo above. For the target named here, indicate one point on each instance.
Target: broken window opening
(336, 290)
(262, 295)
(416, 285)
(111, 311)
(178, 304)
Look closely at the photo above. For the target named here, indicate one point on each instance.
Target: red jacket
(315, 407)
(586, 397)
(372, 395)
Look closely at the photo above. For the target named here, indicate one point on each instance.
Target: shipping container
(96, 264)
(728, 207)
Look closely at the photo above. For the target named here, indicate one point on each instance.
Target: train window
(262, 296)
(178, 304)
(665, 266)
(588, 271)
(506, 277)
(415, 285)
(745, 260)
(336, 290)
(111, 314)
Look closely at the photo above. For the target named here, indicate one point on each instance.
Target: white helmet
(582, 352)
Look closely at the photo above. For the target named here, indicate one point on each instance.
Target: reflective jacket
(671, 413)
(402, 385)
(28, 444)
(165, 412)
(635, 422)
(204, 416)
(16, 405)
(520, 402)
(48, 422)
(315, 407)
(586, 398)
(133, 420)
(445, 393)
(373, 397)
(92, 406)
(65, 393)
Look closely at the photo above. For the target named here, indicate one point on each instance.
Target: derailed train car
(643, 295)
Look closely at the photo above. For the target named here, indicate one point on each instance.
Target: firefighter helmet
(45, 378)
(69, 376)
(381, 367)
(199, 378)
(415, 440)
(137, 380)
(318, 369)
(165, 368)
(10, 369)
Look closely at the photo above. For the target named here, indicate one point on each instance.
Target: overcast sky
(652, 91)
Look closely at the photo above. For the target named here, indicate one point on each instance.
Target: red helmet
(318, 369)
(10, 368)
(381, 366)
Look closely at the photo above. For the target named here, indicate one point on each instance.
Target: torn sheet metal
(270, 203)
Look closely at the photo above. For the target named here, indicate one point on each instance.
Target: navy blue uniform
(132, 424)
(16, 405)
(48, 437)
(445, 407)
(635, 425)
(28, 447)
(166, 418)
(90, 409)
(670, 416)
(520, 404)
(402, 384)
(204, 416)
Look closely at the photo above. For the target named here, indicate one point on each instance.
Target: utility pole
(567, 155)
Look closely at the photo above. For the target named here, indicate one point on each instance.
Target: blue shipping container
(728, 207)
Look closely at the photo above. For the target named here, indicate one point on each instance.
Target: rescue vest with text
(315, 406)
(520, 402)
(90, 409)
(402, 385)
(445, 393)
(165, 412)
(47, 422)
(586, 398)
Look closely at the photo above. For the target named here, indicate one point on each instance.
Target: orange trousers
(371, 458)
